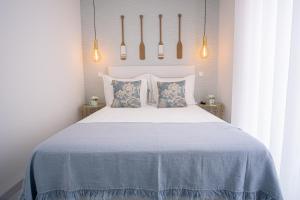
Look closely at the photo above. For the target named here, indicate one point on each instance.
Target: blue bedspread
(194, 161)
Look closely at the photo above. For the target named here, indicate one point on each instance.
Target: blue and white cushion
(171, 94)
(126, 94)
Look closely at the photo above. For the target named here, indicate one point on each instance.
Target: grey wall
(225, 56)
(109, 34)
(41, 77)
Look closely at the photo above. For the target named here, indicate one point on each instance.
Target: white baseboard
(12, 191)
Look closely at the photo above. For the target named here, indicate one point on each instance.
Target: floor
(15, 196)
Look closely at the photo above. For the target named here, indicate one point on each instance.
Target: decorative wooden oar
(179, 44)
(123, 46)
(160, 44)
(142, 45)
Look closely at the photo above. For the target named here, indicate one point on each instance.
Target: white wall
(41, 77)
(109, 34)
(225, 55)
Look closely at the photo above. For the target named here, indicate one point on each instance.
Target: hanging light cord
(204, 17)
(95, 31)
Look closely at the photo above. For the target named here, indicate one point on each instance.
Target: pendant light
(204, 50)
(96, 52)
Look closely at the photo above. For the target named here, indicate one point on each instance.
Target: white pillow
(189, 88)
(109, 91)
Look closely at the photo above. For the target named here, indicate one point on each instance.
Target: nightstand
(87, 109)
(216, 109)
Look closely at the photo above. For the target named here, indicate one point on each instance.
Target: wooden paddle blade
(142, 45)
(179, 50)
(179, 44)
(142, 51)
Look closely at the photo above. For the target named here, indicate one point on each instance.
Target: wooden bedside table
(87, 109)
(217, 109)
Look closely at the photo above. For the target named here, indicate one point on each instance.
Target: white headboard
(162, 71)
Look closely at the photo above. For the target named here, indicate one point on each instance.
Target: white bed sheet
(189, 114)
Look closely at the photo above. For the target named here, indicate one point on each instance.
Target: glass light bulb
(96, 55)
(204, 49)
(96, 52)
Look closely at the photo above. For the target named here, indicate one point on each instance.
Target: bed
(149, 153)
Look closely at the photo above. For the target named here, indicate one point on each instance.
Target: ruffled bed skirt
(141, 194)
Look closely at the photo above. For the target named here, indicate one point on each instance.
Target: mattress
(189, 114)
(151, 154)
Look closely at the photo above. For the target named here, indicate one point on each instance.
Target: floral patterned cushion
(126, 94)
(171, 94)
